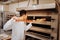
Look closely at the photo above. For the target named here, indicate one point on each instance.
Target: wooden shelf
(45, 23)
(34, 35)
(38, 29)
(39, 15)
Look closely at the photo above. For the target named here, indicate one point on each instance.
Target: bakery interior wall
(14, 6)
(1, 9)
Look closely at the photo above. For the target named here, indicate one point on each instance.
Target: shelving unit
(46, 30)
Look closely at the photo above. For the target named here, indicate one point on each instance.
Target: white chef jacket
(18, 29)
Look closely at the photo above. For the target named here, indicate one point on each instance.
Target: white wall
(12, 7)
(1, 7)
(5, 8)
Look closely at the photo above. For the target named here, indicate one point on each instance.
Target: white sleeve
(8, 25)
(28, 26)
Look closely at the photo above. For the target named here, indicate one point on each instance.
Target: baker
(18, 26)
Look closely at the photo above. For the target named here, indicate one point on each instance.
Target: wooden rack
(49, 33)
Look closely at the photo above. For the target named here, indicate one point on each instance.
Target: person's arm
(28, 26)
(8, 24)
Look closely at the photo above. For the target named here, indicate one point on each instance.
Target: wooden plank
(45, 23)
(34, 35)
(38, 29)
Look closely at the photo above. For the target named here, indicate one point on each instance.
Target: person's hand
(14, 18)
(29, 21)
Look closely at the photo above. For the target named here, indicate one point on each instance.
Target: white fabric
(18, 29)
(28, 27)
(8, 24)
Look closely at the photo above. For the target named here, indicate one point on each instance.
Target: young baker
(18, 26)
